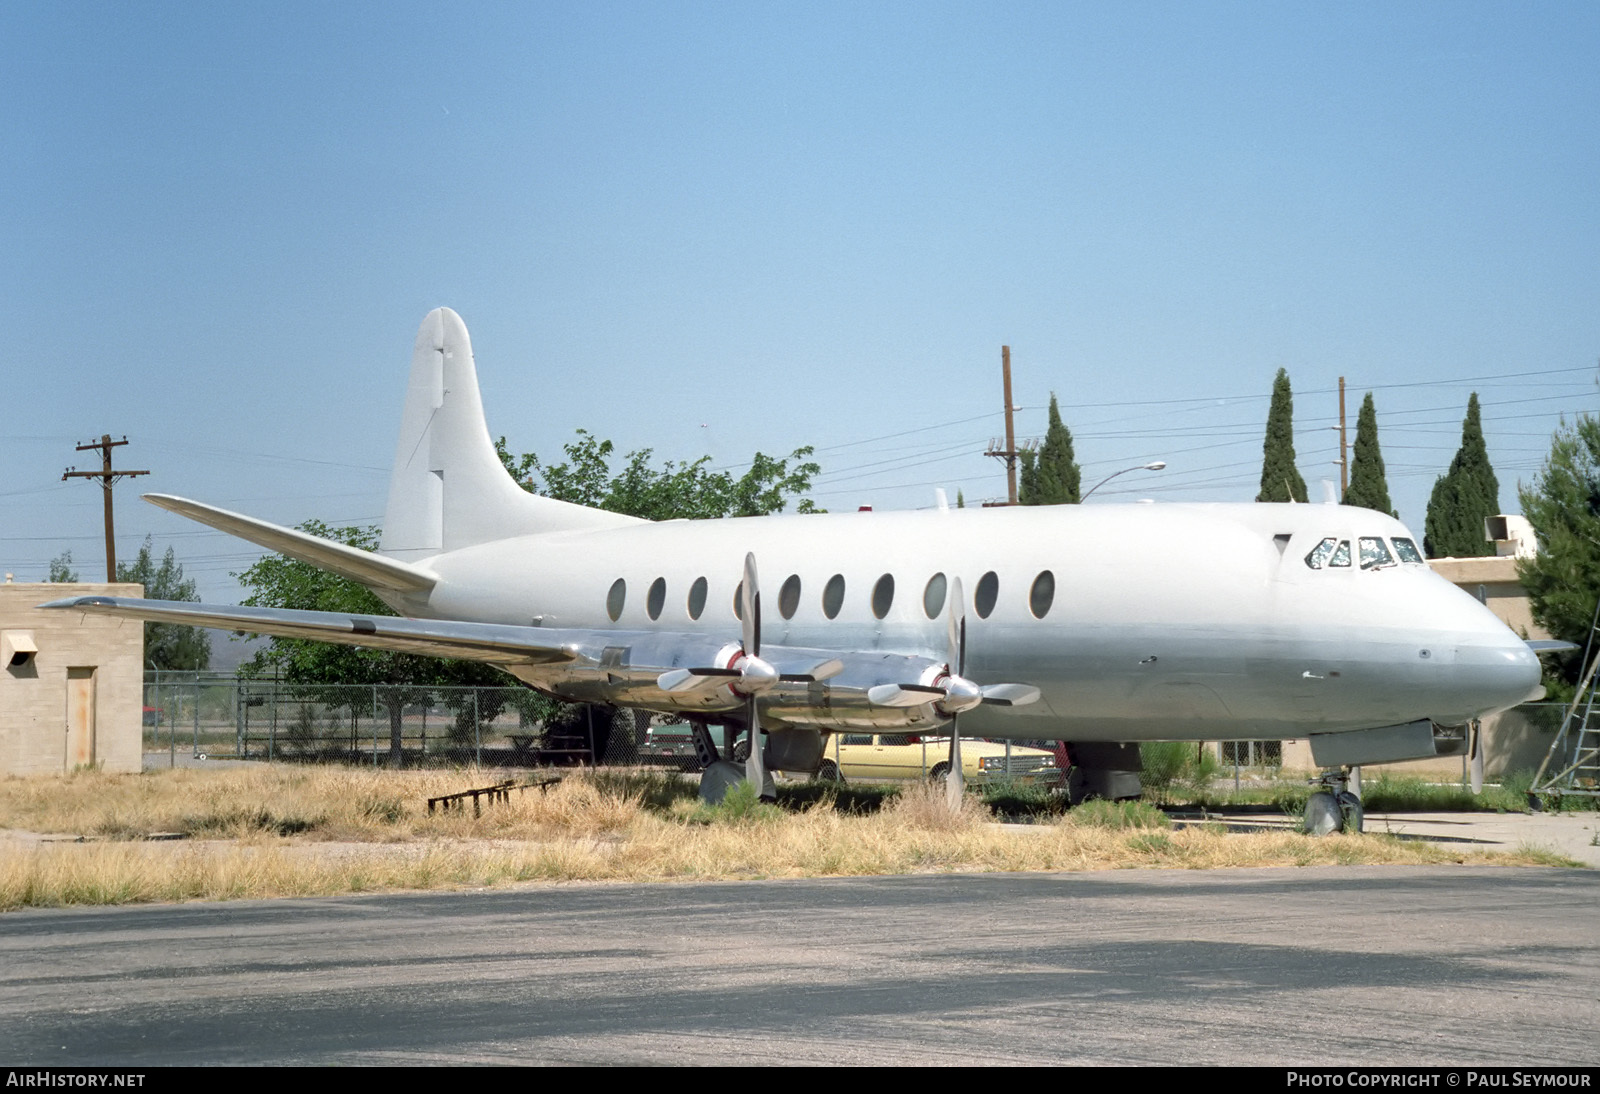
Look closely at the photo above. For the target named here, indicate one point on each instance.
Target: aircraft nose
(1491, 676)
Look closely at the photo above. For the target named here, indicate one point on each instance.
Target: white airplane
(1103, 623)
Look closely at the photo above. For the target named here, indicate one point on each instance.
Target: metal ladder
(1575, 753)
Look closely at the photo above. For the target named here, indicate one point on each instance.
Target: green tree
(279, 582)
(1563, 505)
(690, 491)
(1368, 489)
(1050, 475)
(673, 491)
(167, 645)
(1280, 478)
(61, 569)
(1463, 496)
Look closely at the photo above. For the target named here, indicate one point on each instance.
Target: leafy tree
(61, 569)
(692, 490)
(1280, 478)
(1050, 476)
(1368, 489)
(279, 582)
(1463, 496)
(1563, 505)
(167, 645)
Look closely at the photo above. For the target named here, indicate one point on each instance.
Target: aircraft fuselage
(1165, 621)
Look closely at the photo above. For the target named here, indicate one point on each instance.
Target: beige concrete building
(71, 684)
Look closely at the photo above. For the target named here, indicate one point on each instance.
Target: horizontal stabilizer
(496, 643)
(364, 567)
(1549, 645)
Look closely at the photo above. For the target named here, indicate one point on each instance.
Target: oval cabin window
(789, 597)
(883, 596)
(1042, 593)
(833, 596)
(988, 592)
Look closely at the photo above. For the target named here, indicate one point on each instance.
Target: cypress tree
(1028, 478)
(1368, 487)
(1051, 476)
(1280, 479)
(1463, 496)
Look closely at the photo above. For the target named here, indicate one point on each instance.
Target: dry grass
(368, 831)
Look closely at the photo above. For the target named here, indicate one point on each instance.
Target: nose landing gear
(1333, 807)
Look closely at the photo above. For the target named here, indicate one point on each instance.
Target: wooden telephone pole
(106, 476)
(1009, 453)
(1344, 451)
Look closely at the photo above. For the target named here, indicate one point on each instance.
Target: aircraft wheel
(829, 773)
(1355, 816)
(741, 752)
(1322, 815)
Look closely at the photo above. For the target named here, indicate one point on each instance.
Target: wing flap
(496, 643)
(363, 567)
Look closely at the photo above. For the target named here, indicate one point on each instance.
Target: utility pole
(1344, 452)
(106, 476)
(1009, 453)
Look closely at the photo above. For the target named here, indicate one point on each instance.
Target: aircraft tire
(1355, 815)
(1323, 815)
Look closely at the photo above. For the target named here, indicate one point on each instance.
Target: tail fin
(449, 489)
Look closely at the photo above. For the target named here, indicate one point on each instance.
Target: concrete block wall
(80, 698)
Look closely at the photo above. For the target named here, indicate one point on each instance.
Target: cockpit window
(1330, 552)
(1374, 553)
(1407, 550)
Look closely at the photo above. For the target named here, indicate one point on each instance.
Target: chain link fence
(217, 716)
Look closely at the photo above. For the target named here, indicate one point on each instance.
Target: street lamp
(1156, 466)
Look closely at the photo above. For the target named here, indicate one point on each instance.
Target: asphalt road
(1321, 966)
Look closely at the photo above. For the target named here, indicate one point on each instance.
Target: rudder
(448, 489)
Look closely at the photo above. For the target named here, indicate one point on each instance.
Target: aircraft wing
(493, 642)
(363, 567)
(1549, 645)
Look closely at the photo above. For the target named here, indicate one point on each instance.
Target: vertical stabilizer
(449, 489)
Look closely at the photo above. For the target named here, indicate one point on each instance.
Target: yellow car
(873, 757)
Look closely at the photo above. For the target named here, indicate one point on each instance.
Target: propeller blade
(955, 782)
(757, 674)
(955, 624)
(750, 608)
(955, 786)
(1010, 695)
(1475, 750)
(755, 764)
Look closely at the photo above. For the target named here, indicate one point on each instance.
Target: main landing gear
(1334, 807)
(721, 775)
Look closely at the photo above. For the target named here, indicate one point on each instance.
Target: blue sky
(717, 228)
